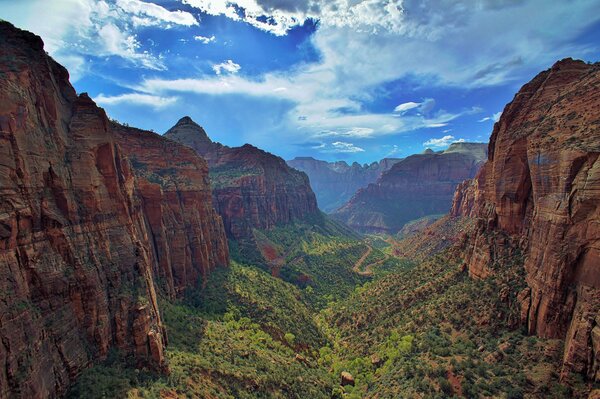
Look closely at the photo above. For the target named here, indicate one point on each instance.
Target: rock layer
(79, 226)
(418, 186)
(334, 183)
(540, 188)
(251, 188)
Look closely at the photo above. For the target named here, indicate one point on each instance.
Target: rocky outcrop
(418, 186)
(251, 188)
(187, 238)
(78, 225)
(541, 190)
(334, 183)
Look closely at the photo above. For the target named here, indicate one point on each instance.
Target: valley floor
(315, 301)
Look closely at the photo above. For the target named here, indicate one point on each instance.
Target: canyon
(479, 275)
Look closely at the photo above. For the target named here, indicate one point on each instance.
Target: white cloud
(77, 29)
(227, 66)
(278, 17)
(339, 147)
(153, 14)
(136, 98)
(205, 39)
(406, 106)
(495, 117)
(442, 142)
(395, 150)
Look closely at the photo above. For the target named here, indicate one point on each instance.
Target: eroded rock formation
(539, 192)
(80, 224)
(251, 188)
(334, 183)
(418, 186)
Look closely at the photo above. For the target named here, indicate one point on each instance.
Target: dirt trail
(368, 271)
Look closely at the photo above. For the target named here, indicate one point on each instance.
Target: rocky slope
(417, 186)
(80, 224)
(334, 183)
(251, 188)
(539, 195)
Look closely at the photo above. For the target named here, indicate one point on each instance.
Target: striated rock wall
(251, 188)
(334, 183)
(541, 189)
(417, 186)
(79, 254)
(187, 238)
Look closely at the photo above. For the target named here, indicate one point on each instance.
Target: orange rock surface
(540, 188)
(80, 225)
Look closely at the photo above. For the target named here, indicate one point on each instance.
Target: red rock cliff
(251, 188)
(79, 230)
(541, 188)
(417, 186)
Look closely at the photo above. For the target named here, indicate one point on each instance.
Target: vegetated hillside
(432, 331)
(86, 236)
(248, 333)
(252, 189)
(417, 186)
(539, 193)
(334, 183)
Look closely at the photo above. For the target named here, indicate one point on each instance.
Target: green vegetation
(412, 329)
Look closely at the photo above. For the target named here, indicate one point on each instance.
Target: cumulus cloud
(205, 39)
(228, 66)
(442, 142)
(136, 98)
(76, 29)
(278, 17)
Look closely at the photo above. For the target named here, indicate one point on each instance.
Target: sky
(354, 80)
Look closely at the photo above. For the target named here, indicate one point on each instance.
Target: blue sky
(357, 80)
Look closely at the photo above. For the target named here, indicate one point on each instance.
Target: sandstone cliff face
(187, 238)
(334, 183)
(417, 186)
(77, 262)
(251, 188)
(541, 190)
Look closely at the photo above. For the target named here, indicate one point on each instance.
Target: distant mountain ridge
(251, 187)
(417, 186)
(334, 183)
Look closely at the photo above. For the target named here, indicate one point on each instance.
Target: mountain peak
(188, 132)
(186, 120)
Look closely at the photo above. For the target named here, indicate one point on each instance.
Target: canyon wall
(539, 192)
(251, 188)
(80, 224)
(334, 183)
(417, 186)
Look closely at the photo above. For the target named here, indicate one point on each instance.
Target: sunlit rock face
(541, 187)
(92, 220)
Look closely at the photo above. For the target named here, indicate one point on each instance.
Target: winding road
(368, 270)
